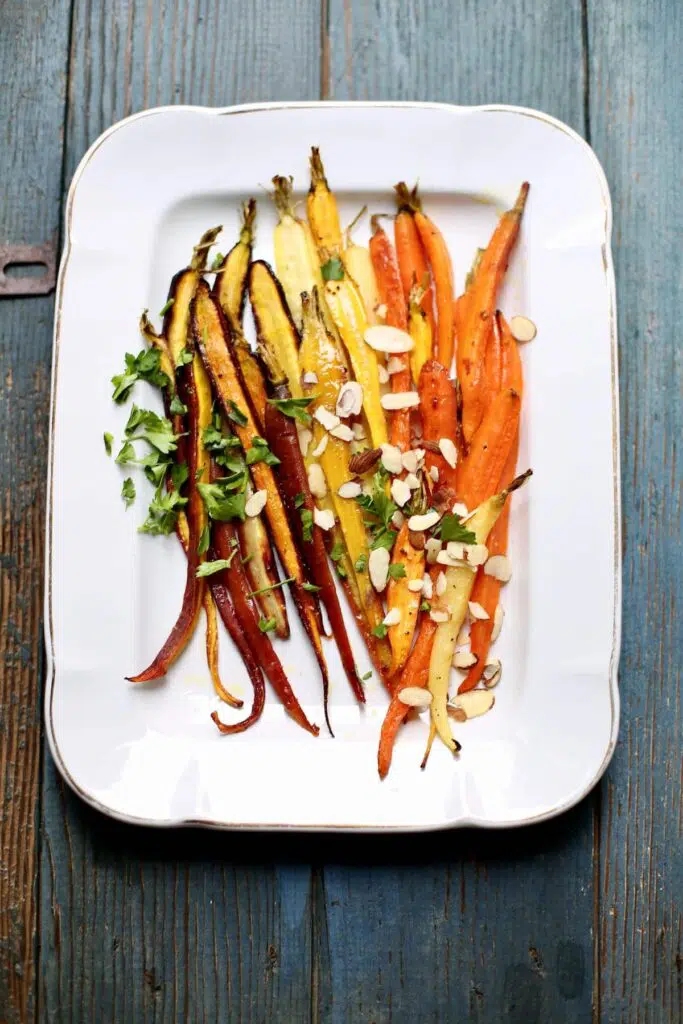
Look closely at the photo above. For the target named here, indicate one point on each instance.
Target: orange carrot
(400, 597)
(412, 261)
(479, 312)
(510, 362)
(480, 472)
(391, 295)
(416, 673)
(438, 406)
(492, 365)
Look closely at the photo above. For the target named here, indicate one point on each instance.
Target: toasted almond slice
(324, 518)
(477, 611)
(358, 431)
(474, 703)
(400, 400)
(443, 558)
(378, 568)
(388, 339)
(441, 584)
(415, 697)
(351, 489)
(309, 377)
(256, 503)
(305, 438)
(410, 461)
(456, 713)
(498, 617)
(476, 554)
(326, 418)
(434, 473)
(456, 550)
(342, 432)
(522, 329)
(382, 374)
(320, 447)
(400, 491)
(464, 659)
(427, 586)
(415, 586)
(392, 618)
(500, 567)
(391, 458)
(394, 365)
(424, 522)
(412, 481)
(316, 480)
(492, 672)
(398, 519)
(432, 549)
(449, 451)
(439, 616)
(460, 509)
(349, 399)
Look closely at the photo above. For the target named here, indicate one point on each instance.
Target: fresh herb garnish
(204, 539)
(380, 631)
(333, 270)
(236, 415)
(366, 676)
(219, 445)
(310, 587)
(108, 442)
(295, 408)
(397, 570)
(267, 625)
(145, 425)
(177, 407)
(380, 509)
(165, 308)
(127, 454)
(163, 511)
(306, 523)
(260, 452)
(209, 568)
(128, 492)
(361, 563)
(179, 475)
(146, 365)
(336, 554)
(185, 356)
(223, 501)
(299, 500)
(273, 586)
(425, 606)
(451, 528)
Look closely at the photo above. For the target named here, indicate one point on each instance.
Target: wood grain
(32, 91)
(636, 97)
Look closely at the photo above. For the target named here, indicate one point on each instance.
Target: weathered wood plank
(33, 58)
(636, 97)
(463, 926)
(141, 925)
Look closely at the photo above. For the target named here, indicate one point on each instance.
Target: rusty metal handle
(16, 255)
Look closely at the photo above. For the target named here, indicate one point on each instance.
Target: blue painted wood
(33, 59)
(636, 98)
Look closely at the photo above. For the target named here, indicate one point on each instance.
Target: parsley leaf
(177, 407)
(333, 270)
(155, 466)
(366, 676)
(166, 306)
(179, 475)
(184, 357)
(127, 454)
(336, 554)
(209, 568)
(380, 509)
(361, 563)
(267, 625)
(236, 415)
(397, 570)
(128, 492)
(163, 512)
(145, 425)
(384, 539)
(310, 587)
(108, 442)
(380, 631)
(260, 452)
(425, 606)
(295, 408)
(204, 540)
(220, 503)
(219, 445)
(307, 523)
(451, 528)
(146, 365)
(299, 500)
(217, 265)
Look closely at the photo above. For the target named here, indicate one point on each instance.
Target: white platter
(141, 197)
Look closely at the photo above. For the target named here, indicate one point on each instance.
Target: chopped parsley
(209, 568)
(204, 540)
(145, 425)
(163, 512)
(165, 308)
(146, 365)
(295, 408)
(306, 524)
(451, 528)
(236, 415)
(267, 625)
(361, 563)
(260, 452)
(184, 357)
(336, 554)
(380, 509)
(177, 407)
(128, 492)
(225, 499)
(217, 265)
(108, 442)
(310, 587)
(273, 586)
(425, 606)
(333, 270)
(299, 500)
(397, 570)
(380, 631)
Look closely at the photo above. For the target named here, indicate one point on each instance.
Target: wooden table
(571, 921)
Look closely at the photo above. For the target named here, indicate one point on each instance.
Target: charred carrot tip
(519, 481)
(518, 208)
(317, 169)
(407, 198)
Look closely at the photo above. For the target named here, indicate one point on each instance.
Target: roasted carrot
(492, 365)
(510, 362)
(225, 545)
(412, 261)
(420, 331)
(415, 673)
(221, 597)
(480, 309)
(438, 406)
(393, 299)
(323, 215)
(442, 273)
(275, 328)
(359, 267)
(209, 327)
(402, 599)
(479, 474)
(283, 439)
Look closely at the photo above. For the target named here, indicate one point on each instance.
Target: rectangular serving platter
(139, 200)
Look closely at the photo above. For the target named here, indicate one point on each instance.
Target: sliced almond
(388, 339)
(392, 618)
(456, 713)
(415, 697)
(424, 522)
(326, 418)
(438, 616)
(397, 520)
(400, 400)
(449, 451)
(477, 611)
(522, 329)
(434, 473)
(411, 481)
(320, 447)
(459, 509)
(492, 673)
(382, 374)
(432, 549)
(427, 586)
(324, 518)
(415, 586)
(309, 377)
(476, 554)
(391, 458)
(256, 503)
(316, 480)
(474, 703)
(358, 431)
(500, 567)
(400, 491)
(342, 432)
(305, 438)
(464, 659)
(351, 489)
(441, 584)
(349, 399)
(394, 365)
(498, 617)
(378, 568)
(410, 461)
(455, 550)
(443, 558)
